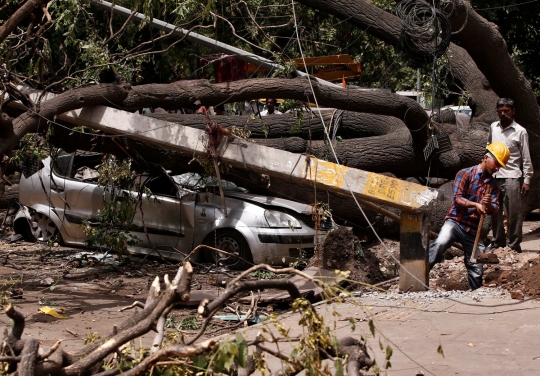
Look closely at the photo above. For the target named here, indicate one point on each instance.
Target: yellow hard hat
(500, 151)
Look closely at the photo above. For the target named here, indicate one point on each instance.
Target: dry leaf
(53, 312)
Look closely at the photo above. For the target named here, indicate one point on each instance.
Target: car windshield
(196, 182)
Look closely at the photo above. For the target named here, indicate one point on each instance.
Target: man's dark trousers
(510, 199)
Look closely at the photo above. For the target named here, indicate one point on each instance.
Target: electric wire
(507, 6)
(425, 29)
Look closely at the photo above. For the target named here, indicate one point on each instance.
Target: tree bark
(501, 72)
(11, 194)
(22, 13)
(352, 125)
(32, 121)
(176, 96)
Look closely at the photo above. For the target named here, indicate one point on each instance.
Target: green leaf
(352, 321)
(200, 362)
(294, 353)
(389, 352)
(338, 365)
(228, 362)
(372, 327)
(440, 350)
(242, 350)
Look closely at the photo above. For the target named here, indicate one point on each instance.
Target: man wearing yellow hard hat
(475, 192)
(514, 180)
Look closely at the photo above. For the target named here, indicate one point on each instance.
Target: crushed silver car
(182, 214)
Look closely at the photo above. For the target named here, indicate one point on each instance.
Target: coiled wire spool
(426, 30)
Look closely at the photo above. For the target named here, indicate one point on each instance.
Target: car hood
(271, 202)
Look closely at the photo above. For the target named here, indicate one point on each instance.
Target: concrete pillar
(414, 249)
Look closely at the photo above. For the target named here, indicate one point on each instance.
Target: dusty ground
(90, 291)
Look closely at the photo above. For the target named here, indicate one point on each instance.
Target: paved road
(479, 334)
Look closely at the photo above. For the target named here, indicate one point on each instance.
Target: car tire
(230, 241)
(41, 228)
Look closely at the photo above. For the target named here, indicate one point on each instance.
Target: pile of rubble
(342, 250)
(519, 273)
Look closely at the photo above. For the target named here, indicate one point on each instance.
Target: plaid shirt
(470, 185)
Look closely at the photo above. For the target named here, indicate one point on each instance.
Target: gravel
(432, 296)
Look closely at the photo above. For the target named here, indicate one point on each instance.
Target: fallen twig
(135, 304)
(51, 351)
(72, 332)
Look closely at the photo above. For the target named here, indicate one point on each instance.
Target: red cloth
(470, 185)
(203, 109)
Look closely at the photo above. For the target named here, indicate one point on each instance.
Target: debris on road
(237, 318)
(307, 289)
(341, 250)
(58, 313)
(519, 273)
(46, 282)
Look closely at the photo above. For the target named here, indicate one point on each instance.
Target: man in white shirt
(270, 107)
(514, 180)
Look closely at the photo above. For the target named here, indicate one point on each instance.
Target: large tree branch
(501, 72)
(177, 96)
(20, 15)
(381, 103)
(387, 27)
(310, 127)
(31, 120)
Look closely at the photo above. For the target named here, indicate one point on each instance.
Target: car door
(82, 196)
(159, 220)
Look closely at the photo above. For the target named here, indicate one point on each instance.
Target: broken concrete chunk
(46, 282)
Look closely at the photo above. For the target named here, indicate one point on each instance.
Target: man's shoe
(517, 249)
(491, 247)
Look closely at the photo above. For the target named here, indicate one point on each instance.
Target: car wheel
(42, 228)
(232, 242)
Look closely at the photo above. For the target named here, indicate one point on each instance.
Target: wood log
(11, 194)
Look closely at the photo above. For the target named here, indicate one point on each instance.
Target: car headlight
(280, 220)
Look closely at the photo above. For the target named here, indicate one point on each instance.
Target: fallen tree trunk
(309, 127)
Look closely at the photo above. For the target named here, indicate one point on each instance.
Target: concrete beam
(413, 251)
(242, 154)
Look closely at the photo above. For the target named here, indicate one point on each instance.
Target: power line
(507, 6)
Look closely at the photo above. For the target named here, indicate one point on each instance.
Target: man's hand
(525, 189)
(487, 206)
(480, 207)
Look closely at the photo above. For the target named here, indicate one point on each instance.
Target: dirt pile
(519, 273)
(342, 250)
